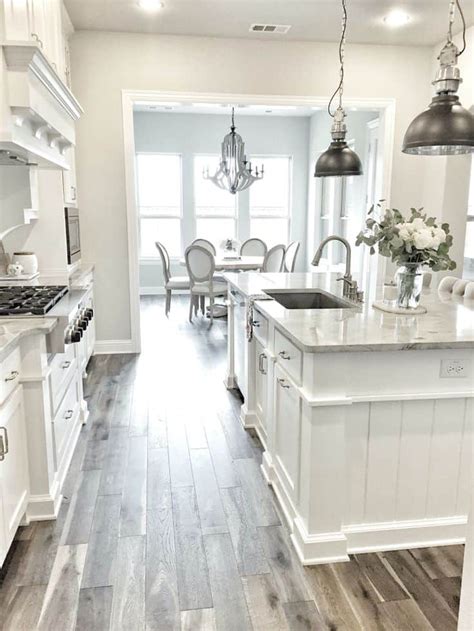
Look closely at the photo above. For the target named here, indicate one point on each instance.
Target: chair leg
(168, 302)
(196, 305)
(211, 310)
(203, 305)
(191, 306)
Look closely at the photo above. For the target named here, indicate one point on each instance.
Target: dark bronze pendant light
(339, 159)
(446, 127)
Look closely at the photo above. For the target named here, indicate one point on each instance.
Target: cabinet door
(287, 432)
(240, 343)
(14, 481)
(261, 370)
(69, 179)
(16, 16)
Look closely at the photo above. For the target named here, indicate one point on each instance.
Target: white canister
(28, 260)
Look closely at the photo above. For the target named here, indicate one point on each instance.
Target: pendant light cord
(452, 8)
(340, 88)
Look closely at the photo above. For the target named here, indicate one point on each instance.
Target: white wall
(190, 134)
(105, 63)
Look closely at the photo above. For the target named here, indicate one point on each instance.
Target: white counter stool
(273, 261)
(253, 247)
(290, 256)
(171, 282)
(201, 266)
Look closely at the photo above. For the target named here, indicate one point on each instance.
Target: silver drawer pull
(256, 323)
(66, 365)
(261, 358)
(69, 414)
(3, 443)
(282, 383)
(284, 355)
(12, 376)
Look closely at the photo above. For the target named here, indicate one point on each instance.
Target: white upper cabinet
(40, 22)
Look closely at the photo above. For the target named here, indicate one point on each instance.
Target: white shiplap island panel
(367, 446)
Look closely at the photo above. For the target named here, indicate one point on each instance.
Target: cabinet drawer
(9, 374)
(62, 367)
(288, 356)
(260, 327)
(65, 418)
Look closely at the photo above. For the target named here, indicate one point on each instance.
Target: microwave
(73, 236)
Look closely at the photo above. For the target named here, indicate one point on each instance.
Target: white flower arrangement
(417, 240)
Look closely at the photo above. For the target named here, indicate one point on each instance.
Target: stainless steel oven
(73, 237)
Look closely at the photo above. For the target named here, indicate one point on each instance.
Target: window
(468, 271)
(270, 201)
(159, 202)
(216, 209)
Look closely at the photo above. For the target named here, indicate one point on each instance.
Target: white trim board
(385, 105)
(112, 347)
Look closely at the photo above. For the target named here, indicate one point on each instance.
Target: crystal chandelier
(339, 159)
(446, 127)
(235, 173)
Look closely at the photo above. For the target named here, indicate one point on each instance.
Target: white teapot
(15, 269)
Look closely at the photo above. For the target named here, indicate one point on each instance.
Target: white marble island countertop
(448, 323)
(12, 330)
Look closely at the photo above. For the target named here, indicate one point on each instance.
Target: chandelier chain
(453, 4)
(339, 91)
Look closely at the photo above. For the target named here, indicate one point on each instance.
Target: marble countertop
(14, 329)
(73, 279)
(448, 323)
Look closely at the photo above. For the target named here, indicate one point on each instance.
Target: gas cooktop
(25, 300)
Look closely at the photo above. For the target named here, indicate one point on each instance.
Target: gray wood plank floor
(167, 523)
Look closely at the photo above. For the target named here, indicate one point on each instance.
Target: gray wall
(190, 134)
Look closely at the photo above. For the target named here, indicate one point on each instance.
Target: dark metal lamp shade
(338, 160)
(445, 128)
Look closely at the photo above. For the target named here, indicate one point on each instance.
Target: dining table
(230, 264)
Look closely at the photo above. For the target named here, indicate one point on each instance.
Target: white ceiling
(312, 20)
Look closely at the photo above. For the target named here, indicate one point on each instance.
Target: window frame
(177, 217)
(289, 216)
(197, 215)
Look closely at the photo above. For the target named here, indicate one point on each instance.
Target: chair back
(273, 261)
(253, 247)
(207, 245)
(165, 260)
(200, 264)
(290, 256)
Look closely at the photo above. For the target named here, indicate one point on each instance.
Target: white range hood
(37, 111)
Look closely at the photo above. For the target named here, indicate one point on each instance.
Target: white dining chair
(253, 247)
(201, 265)
(170, 282)
(273, 261)
(456, 287)
(206, 244)
(289, 260)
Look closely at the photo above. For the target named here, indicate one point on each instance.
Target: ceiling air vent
(269, 28)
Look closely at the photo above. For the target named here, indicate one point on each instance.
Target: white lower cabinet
(261, 388)
(287, 415)
(14, 477)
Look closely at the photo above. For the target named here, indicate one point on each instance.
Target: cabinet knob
(284, 355)
(282, 383)
(65, 365)
(256, 323)
(12, 376)
(69, 414)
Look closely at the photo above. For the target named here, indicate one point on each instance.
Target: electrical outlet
(455, 368)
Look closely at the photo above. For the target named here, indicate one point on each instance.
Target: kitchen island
(365, 416)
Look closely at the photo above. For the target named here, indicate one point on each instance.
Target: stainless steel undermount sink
(313, 299)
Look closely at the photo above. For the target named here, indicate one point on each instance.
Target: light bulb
(151, 5)
(396, 18)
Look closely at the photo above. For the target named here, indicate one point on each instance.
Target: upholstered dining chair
(253, 247)
(204, 243)
(201, 265)
(289, 260)
(171, 282)
(273, 261)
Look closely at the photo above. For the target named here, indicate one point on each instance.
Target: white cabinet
(261, 387)
(14, 479)
(69, 179)
(287, 432)
(240, 341)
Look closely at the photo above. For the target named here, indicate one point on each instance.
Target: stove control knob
(76, 335)
(89, 313)
(83, 323)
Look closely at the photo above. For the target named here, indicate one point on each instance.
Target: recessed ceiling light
(151, 5)
(396, 18)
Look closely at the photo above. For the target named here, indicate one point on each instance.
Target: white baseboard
(248, 418)
(110, 347)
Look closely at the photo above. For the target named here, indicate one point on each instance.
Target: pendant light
(339, 159)
(446, 127)
(235, 173)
